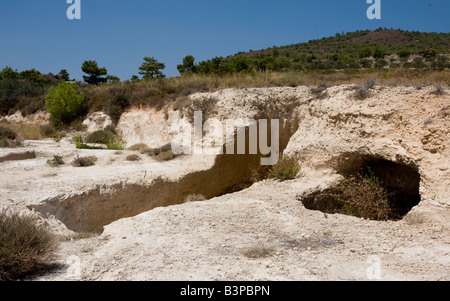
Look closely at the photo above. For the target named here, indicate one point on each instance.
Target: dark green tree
(151, 68)
(187, 66)
(8, 73)
(33, 75)
(64, 75)
(112, 79)
(95, 74)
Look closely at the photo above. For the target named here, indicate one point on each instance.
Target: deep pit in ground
(92, 210)
(400, 181)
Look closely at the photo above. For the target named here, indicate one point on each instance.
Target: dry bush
(444, 112)
(320, 91)
(84, 161)
(133, 157)
(101, 136)
(138, 147)
(439, 89)
(165, 156)
(258, 251)
(47, 130)
(7, 133)
(25, 246)
(362, 196)
(362, 91)
(287, 168)
(194, 198)
(206, 106)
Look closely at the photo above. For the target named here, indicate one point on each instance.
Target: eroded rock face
(331, 135)
(97, 121)
(400, 125)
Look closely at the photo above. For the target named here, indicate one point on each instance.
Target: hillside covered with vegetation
(391, 56)
(381, 48)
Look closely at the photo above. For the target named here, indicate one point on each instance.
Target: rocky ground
(260, 233)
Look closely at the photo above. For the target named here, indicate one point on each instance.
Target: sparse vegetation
(6, 133)
(287, 168)
(56, 161)
(8, 138)
(115, 144)
(26, 245)
(194, 198)
(439, 89)
(133, 157)
(84, 161)
(362, 195)
(165, 156)
(258, 251)
(140, 147)
(321, 90)
(101, 136)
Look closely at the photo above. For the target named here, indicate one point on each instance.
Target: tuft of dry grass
(287, 168)
(439, 89)
(26, 246)
(133, 157)
(258, 251)
(194, 198)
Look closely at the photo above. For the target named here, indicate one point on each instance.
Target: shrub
(165, 148)
(138, 147)
(80, 145)
(64, 104)
(6, 133)
(321, 90)
(47, 130)
(363, 196)
(165, 156)
(286, 169)
(101, 136)
(133, 157)
(57, 160)
(84, 161)
(194, 198)
(362, 92)
(25, 245)
(114, 144)
(438, 89)
(258, 251)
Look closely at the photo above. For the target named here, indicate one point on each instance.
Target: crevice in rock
(92, 210)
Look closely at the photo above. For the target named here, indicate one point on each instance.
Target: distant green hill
(381, 48)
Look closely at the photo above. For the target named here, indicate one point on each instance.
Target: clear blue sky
(118, 34)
